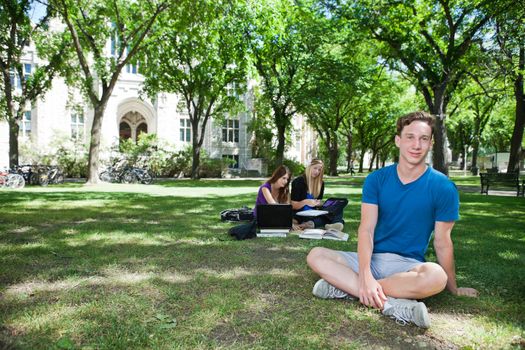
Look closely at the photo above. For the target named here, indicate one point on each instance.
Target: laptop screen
(274, 216)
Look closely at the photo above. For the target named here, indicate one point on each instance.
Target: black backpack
(235, 215)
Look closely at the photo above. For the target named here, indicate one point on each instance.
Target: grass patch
(132, 266)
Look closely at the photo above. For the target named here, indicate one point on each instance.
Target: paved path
(474, 189)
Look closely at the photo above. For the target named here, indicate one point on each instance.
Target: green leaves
(199, 52)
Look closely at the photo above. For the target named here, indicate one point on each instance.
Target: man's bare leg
(422, 281)
(332, 267)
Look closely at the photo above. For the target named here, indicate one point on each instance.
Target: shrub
(295, 167)
(158, 157)
(72, 159)
(70, 155)
(211, 167)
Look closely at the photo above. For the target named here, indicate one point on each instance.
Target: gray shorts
(382, 264)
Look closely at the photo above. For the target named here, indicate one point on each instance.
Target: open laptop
(274, 220)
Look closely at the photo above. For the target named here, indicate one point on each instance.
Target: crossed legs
(420, 282)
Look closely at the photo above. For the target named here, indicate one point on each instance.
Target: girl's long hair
(284, 192)
(314, 184)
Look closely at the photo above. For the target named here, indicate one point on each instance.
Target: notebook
(274, 220)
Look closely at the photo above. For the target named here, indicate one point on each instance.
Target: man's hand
(371, 292)
(468, 292)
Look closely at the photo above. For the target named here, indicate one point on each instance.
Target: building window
(27, 70)
(230, 133)
(77, 126)
(25, 125)
(114, 41)
(132, 68)
(115, 47)
(185, 130)
(124, 131)
(16, 83)
(233, 160)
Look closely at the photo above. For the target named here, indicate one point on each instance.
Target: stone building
(63, 113)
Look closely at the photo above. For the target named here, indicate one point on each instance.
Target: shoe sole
(317, 286)
(421, 318)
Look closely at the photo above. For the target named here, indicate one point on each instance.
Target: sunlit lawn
(134, 266)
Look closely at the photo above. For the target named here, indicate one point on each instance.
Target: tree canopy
(92, 25)
(347, 66)
(21, 81)
(199, 52)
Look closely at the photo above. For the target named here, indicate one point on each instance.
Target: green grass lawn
(134, 266)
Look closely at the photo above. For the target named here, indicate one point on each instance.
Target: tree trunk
(196, 146)
(475, 147)
(361, 161)
(436, 106)
(196, 160)
(281, 140)
(349, 159)
(517, 134)
(475, 150)
(440, 136)
(333, 153)
(372, 160)
(94, 147)
(13, 142)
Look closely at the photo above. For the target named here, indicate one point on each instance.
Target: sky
(38, 10)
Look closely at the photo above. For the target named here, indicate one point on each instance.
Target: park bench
(491, 180)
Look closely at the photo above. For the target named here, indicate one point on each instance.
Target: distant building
(64, 113)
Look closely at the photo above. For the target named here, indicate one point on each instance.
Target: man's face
(414, 143)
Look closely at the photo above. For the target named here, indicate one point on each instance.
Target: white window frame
(78, 128)
(185, 130)
(25, 125)
(230, 132)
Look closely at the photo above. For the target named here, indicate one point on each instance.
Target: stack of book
(319, 233)
(277, 232)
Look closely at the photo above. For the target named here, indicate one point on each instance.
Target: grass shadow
(115, 269)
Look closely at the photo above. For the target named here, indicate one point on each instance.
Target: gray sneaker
(325, 290)
(406, 310)
(308, 224)
(338, 226)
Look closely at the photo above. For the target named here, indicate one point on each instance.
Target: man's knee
(434, 278)
(313, 257)
(316, 256)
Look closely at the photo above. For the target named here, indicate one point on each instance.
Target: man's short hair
(410, 117)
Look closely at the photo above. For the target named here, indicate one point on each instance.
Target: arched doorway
(131, 125)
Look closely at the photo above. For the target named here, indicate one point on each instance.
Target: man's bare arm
(445, 256)
(370, 291)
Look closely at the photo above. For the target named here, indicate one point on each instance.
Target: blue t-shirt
(407, 213)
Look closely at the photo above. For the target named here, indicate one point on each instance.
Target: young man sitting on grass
(402, 205)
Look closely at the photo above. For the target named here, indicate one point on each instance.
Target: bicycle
(116, 172)
(134, 175)
(55, 175)
(11, 180)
